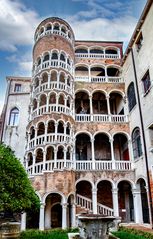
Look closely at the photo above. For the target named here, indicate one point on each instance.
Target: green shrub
(131, 233)
(48, 234)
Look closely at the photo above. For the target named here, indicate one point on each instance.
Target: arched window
(131, 96)
(136, 143)
(14, 117)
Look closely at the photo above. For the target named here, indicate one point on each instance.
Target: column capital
(114, 190)
(136, 191)
(94, 190)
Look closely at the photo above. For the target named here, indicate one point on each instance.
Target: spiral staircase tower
(50, 144)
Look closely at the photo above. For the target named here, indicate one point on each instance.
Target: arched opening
(113, 71)
(41, 129)
(83, 147)
(54, 56)
(43, 100)
(82, 103)
(30, 159)
(102, 147)
(52, 98)
(32, 132)
(81, 50)
(97, 71)
(62, 77)
(56, 27)
(39, 155)
(39, 61)
(46, 57)
(61, 99)
(44, 78)
(96, 51)
(99, 103)
(116, 104)
(41, 30)
(84, 191)
(53, 211)
(81, 72)
(34, 104)
(53, 76)
(60, 128)
(60, 153)
(36, 82)
(136, 143)
(63, 29)
(104, 195)
(14, 117)
(141, 185)
(50, 153)
(131, 96)
(121, 150)
(125, 197)
(68, 153)
(48, 27)
(62, 57)
(51, 127)
(68, 129)
(111, 51)
(68, 102)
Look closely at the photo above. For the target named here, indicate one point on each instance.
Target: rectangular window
(139, 42)
(17, 88)
(146, 82)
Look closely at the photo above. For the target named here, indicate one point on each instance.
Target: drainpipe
(143, 134)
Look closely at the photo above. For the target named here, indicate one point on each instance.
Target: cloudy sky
(90, 20)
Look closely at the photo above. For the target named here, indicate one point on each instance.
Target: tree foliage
(16, 191)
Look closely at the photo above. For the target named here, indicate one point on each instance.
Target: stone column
(65, 158)
(56, 126)
(23, 221)
(49, 75)
(73, 212)
(36, 131)
(33, 165)
(64, 216)
(112, 153)
(94, 201)
(108, 105)
(74, 154)
(115, 201)
(47, 104)
(55, 158)
(91, 109)
(137, 206)
(93, 153)
(106, 77)
(41, 217)
(44, 159)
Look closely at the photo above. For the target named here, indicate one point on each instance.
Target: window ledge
(146, 93)
(138, 159)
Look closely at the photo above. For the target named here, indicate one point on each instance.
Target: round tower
(50, 144)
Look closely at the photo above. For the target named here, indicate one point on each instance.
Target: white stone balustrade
(101, 165)
(100, 79)
(97, 56)
(54, 64)
(54, 32)
(51, 108)
(101, 118)
(50, 138)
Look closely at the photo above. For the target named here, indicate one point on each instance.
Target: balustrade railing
(100, 79)
(98, 56)
(55, 32)
(55, 64)
(101, 118)
(49, 138)
(51, 108)
(87, 203)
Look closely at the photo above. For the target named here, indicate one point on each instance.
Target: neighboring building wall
(15, 134)
(142, 48)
